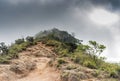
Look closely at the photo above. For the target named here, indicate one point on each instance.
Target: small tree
(29, 39)
(3, 48)
(19, 41)
(94, 49)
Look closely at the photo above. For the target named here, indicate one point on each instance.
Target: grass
(78, 53)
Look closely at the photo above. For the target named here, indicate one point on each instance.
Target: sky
(89, 19)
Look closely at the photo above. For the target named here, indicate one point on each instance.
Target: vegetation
(55, 34)
(65, 46)
(3, 48)
(19, 41)
(61, 61)
(11, 52)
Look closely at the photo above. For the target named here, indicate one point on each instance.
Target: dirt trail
(40, 55)
(42, 72)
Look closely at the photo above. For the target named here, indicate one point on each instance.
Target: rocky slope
(32, 65)
(39, 63)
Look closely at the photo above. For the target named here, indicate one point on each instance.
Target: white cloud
(103, 17)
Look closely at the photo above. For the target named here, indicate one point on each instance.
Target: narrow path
(43, 72)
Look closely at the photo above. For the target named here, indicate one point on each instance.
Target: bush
(80, 57)
(114, 74)
(29, 39)
(64, 76)
(69, 67)
(61, 61)
(63, 53)
(76, 59)
(52, 43)
(96, 73)
(15, 48)
(14, 55)
(19, 41)
(90, 64)
(118, 70)
(4, 59)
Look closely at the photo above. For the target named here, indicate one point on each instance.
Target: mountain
(55, 55)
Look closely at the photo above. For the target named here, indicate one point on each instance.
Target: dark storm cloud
(29, 13)
(24, 14)
(110, 4)
(32, 11)
(46, 10)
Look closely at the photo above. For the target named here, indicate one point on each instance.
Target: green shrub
(69, 67)
(96, 73)
(19, 41)
(63, 53)
(114, 74)
(61, 61)
(118, 70)
(15, 49)
(30, 39)
(3, 48)
(5, 59)
(14, 55)
(52, 43)
(80, 57)
(90, 64)
(77, 59)
(64, 76)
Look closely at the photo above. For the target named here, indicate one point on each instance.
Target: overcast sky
(19, 18)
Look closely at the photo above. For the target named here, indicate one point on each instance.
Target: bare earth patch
(21, 69)
(43, 72)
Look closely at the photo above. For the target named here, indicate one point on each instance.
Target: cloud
(32, 10)
(27, 17)
(46, 10)
(110, 4)
(71, 14)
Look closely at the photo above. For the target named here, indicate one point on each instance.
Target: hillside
(30, 66)
(55, 55)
